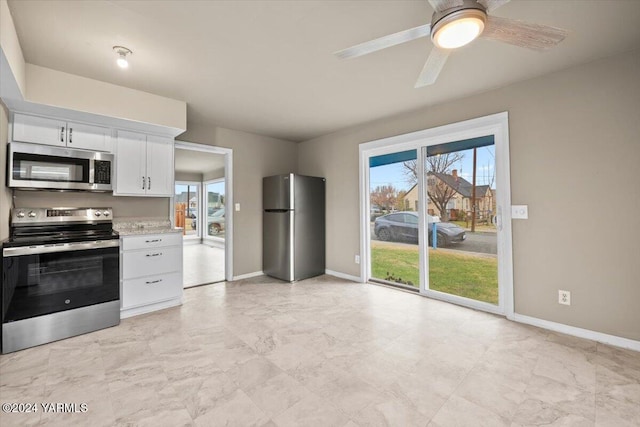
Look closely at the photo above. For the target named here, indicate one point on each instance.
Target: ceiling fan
(456, 23)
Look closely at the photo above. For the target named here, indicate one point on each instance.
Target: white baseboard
(248, 275)
(579, 332)
(343, 276)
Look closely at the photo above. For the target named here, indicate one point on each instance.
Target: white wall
(55, 88)
(5, 193)
(574, 159)
(254, 157)
(11, 49)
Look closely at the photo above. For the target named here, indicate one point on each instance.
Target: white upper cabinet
(144, 165)
(160, 171)
(88, 137)
(39, 130)
(131, 163)
(42, 130)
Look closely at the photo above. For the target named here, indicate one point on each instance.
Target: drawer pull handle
(153, 281)
(156, 254)
(153, 241)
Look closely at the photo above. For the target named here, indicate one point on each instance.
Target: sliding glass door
(460, 203)
(435, 215)
(214, 195)
(394, 221)
(187, 207)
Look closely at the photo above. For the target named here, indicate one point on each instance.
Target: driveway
(480, 242)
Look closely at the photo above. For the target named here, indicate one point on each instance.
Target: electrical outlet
(564, 297)
(357, 259)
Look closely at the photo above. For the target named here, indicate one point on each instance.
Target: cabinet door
(89, 137)
(160, 173)
(131, 175)
(39, 130)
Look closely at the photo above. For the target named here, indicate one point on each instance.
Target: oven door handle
(63, 247)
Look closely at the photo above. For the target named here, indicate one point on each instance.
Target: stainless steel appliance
(293, 223)
(60, 275)
(34, 166)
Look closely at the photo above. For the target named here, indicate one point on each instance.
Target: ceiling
(267, 66)
(190, 161)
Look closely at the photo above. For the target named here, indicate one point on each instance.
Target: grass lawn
(454, 273)
(479, 227)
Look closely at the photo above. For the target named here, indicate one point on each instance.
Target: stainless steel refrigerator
(293, 226)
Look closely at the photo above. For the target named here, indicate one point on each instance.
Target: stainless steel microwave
(44, 167)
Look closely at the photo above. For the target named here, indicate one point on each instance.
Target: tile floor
(202, 264)
(323, 352)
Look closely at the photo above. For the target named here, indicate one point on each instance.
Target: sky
(394, 173)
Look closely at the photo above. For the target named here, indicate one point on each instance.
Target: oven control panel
(32, 216)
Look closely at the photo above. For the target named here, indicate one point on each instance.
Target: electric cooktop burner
(51, 226)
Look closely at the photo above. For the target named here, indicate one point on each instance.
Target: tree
(437, 191)
(384, 196)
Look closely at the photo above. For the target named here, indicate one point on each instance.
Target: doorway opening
(201, 204)
(435, 213)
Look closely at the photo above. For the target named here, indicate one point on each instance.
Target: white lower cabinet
(150, 273)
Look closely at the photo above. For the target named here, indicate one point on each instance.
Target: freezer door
(277, 250)
(277, 192)
(309, 234)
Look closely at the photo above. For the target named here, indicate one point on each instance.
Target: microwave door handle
(61, 133)
(92, 171)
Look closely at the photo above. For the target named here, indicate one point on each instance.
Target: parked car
(215, 222)
(191, 213)
(404, 226)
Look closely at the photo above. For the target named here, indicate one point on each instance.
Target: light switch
(237, 207)
(519, 212)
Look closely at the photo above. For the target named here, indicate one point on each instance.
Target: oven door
(40, 280)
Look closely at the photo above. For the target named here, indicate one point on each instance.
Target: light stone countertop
(142, 226)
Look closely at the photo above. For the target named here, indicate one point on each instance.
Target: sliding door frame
(496, 125)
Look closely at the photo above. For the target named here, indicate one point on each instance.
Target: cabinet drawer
(151, 289)
(151, 262)
(151, 241)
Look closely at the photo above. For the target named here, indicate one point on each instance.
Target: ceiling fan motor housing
(468, 9)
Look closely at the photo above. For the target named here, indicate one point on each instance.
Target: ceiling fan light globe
(122, 62)
(458, 33)
(458, 27)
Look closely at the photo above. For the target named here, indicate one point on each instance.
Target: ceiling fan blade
(384, 42)
(522, 34)
(432, 67)
(492, 5)
(440, 5)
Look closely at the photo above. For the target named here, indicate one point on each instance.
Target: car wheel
(214, 229)
(384, 234)
(442, 240)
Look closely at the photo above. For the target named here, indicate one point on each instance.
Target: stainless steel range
(60, 275)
